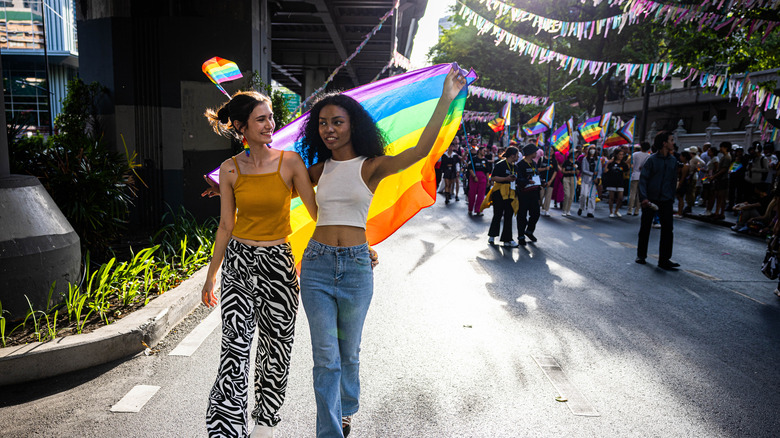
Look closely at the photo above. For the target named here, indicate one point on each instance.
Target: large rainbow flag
(561, 138)
(624, 135)
(401, 105)
(501, 120)
(540, 122)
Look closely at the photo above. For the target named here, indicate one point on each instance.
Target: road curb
(121, 339)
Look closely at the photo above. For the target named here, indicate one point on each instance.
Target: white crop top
(342, 196)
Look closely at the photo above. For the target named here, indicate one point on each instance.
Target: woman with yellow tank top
(259, 282)
(336, 277)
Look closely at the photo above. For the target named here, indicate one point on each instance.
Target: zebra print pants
(259, 288)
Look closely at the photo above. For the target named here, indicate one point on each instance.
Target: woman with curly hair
(346, 151)
(259, 283)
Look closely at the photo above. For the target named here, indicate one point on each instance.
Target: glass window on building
(26, 100)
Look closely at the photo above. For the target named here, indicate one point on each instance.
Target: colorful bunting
(402, 106)
(504, 96)
(634, 11)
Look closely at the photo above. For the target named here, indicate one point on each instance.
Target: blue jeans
(337, 284)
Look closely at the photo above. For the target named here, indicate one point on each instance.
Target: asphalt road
(468, 340)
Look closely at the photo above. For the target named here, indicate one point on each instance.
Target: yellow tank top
(263, 204)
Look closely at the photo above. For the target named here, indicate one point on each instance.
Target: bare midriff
(261, 242)
(340, 235)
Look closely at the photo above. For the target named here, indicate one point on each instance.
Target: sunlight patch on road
(575, 237)
(568, 277)
(529, 301)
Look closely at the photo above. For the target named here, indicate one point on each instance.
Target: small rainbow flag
(221, 70)
(590, 129)
(540, 122)
(401, 106)
(735, 166)
(624, 135)
(561, 138)
(501, 119)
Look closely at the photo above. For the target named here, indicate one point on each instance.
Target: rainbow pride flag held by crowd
(735, 166)
(590, 129)
(401, 105)
(541, 122)
(501, 119)
(624, 135)
(561, 138)
(221, 70)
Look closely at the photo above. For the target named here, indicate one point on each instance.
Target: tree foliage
(645, 42)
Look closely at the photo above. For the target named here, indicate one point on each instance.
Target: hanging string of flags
(634, 11)
(643, 72)
(478, 116)
(503, 96)
(346, 61)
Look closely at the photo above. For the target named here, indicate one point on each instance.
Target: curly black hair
(367, 139)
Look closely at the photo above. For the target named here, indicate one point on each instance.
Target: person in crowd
(259, 282)
(478, 174)
(696, 164)
(721, 180)
(547, 171)
(569, 178)
(657, 184)
(450, 165)
(591, 170)
(756, 211)
(348, 151)
(708, 181)
(502, 197)
(756, 170)
(529, 184)
(613, 181)
(769, 153)
(685, 179)
(736, 175)
(558, 194)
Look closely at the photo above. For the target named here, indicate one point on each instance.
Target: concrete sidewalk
(124, 338)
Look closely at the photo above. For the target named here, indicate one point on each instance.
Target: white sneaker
(511, 244)
(565, 213)
(612, 215)
(491, 240)
(617, 213)
(261, 431)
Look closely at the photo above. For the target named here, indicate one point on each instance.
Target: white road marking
(575, 400)
(189, 344)
(134, 400)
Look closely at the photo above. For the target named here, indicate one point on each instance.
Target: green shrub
(93, 186)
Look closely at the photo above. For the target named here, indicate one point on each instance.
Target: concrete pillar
(651, 133)
(711, 130)
(38, 246)
(261, 39)
(749, 135)
(149, 55)
(679, 131)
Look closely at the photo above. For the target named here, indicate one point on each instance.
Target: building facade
(34, 35)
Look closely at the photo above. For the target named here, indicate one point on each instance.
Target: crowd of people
(526, 181)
